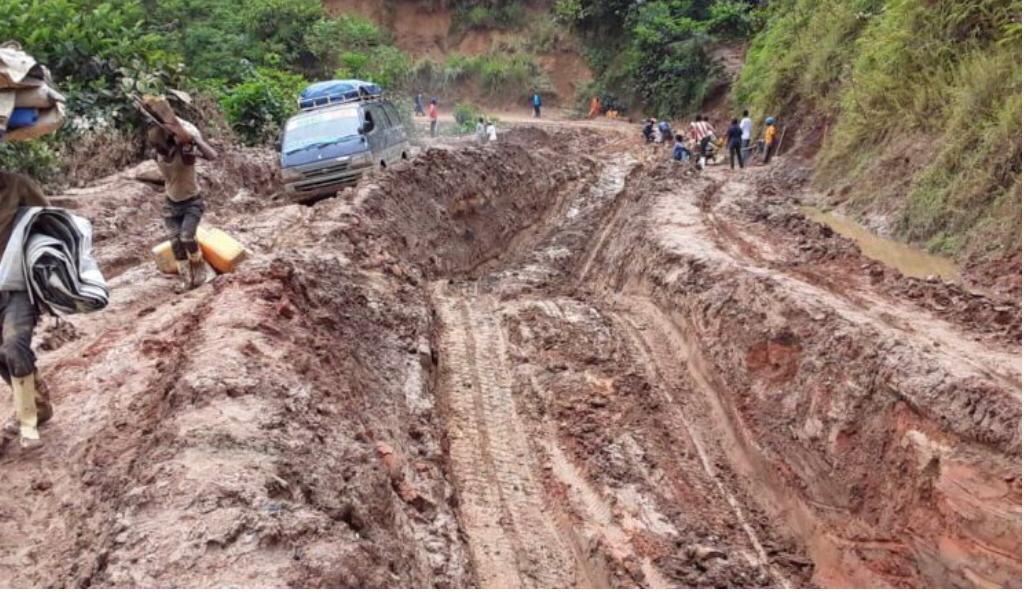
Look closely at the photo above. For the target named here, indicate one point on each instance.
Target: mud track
(551, 362)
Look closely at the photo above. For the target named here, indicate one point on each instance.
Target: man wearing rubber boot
(18, 316)
(178, 143)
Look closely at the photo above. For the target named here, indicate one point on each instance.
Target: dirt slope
(552, 361)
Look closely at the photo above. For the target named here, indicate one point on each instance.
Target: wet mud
(554, 361)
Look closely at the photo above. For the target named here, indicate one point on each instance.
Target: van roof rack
(337, 92)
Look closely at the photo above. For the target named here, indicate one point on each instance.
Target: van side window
(368, 121)
(388, 116)
(379, 116)
(393, 114)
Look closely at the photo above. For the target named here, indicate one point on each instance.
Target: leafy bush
(654, 53)
(96, 51)
(257, 108)
(35, 158)
(466, 116)
(215, 37)
(730, 18)
(384, 65)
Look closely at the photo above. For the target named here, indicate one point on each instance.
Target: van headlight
(291, 175)
(362, 159)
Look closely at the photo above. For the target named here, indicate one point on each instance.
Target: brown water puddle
(909, 260)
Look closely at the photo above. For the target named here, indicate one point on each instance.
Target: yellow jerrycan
(223, 252)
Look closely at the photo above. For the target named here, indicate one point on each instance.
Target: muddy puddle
(909, 260)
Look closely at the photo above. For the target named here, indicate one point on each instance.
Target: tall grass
(941, 77)
(498, 73)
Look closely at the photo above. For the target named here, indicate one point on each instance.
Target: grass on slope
(936, 82)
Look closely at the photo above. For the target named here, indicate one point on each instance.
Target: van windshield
(320, 129)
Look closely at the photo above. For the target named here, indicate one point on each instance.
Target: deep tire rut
(513, 542)
(652, 350)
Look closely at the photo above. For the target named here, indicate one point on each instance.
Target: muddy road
(554, 361)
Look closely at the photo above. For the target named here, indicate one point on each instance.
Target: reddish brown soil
(552, 361)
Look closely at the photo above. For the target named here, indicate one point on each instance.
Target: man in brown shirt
(18, 317)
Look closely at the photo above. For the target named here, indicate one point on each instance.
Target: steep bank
(912, 109)
(555, 360)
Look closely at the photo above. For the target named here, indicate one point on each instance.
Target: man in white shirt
(746, 134)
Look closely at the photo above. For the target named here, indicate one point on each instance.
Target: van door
(390, 134)
(375, 128)
(399, 141)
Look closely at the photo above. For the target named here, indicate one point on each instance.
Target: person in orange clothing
(769, 140)
(594, 107)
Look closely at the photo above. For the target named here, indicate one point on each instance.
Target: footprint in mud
(56, 335)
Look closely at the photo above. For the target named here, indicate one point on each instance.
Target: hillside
(491, 53)
(911, 108)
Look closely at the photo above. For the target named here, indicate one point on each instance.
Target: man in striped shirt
(701, 132)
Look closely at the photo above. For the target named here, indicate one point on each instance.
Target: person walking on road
(536, 103)
(769, 140)
(433, 116)
(490, 132)
(19, 313)
(419, 104)
(18, 317)
(746, 135)
(734, 143)
(178, 143)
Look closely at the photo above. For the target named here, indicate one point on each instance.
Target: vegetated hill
(485, 51)
(914, 106)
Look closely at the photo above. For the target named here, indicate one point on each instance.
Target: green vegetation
(503, 71)
(937, 82)
(257, 107)
(36, 159)
(488, 14)
(654, 54)
(251, 55)
(466, 116)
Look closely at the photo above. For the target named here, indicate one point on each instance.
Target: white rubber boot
(25, 408)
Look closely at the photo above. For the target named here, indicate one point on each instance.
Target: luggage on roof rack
(335, 92)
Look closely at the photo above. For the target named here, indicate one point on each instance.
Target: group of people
(698, 142)
(485, 131)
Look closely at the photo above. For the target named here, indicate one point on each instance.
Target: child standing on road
(491, 132)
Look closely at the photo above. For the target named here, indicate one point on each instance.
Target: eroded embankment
(278, 426)
(510, 365)
(886, 438)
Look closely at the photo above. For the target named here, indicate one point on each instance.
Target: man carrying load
(24, 88)
(178, 143)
